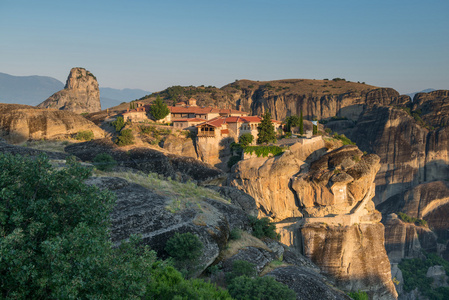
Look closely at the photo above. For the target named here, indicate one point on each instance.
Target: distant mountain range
(423, 91)
(32, 90)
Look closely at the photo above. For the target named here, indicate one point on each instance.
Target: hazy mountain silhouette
(32, 90)
(423, 91)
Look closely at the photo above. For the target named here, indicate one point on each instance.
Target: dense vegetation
(263, 151)
(55, 242)
(263, 228)
(414, 273)
(343, 139)
(118, 124)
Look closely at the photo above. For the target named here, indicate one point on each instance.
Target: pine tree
(159, 109)
(266, 130)
(301, 124)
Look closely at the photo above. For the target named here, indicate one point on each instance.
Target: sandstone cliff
(80, 94)
(324, 208)
(19, 123)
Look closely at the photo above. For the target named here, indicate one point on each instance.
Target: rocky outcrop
(180, 146)
(142, 211)
(267, 180)
(80, 94)
(149, 160)
(19, 123)
(340, 229)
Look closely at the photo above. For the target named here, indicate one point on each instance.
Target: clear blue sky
(155, 44)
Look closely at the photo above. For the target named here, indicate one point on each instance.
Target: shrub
(264, 151)
(404, 217)
(118, 124)
(343, 138)
(246, 139)
(359, 295)
(263, 228)
(266, 288)
(125, 138)
(233, 160)
(104, 162)
(85, 135)
(235, 234)
(184, 247)
(241, 268)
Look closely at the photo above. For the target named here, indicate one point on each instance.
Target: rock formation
(340, 229)
(150, 161)
(19, 123)
(80, 94)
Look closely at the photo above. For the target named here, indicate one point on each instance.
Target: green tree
(159, 109)
(266, 130)
(291, 121)
(301, 124)
(246, 139)
(125, 138)
(184, 246)
(118, 124)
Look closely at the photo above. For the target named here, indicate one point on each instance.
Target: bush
(266, 288)
(125, 138)
(263, 228)
(343, 138)
(235, 234)
(85, 135)
(184, 247)
(359, 295)
(118, 124)
(404, 217)
(246, 139)
(241, 268)
(104, 162)
(264, 151)
(233, 160)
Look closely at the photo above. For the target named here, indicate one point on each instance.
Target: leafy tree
(125, 138)
(118, 124)
(265, 288)
(159, 109)
(291, 121)
(246, 139)
(266, 130)
(241, 268)
(104, 162)
(301, 124)
(55, 241)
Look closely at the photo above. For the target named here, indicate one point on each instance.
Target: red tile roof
(198, 120)
(193, 110)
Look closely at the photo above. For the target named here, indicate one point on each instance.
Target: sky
(152, 45)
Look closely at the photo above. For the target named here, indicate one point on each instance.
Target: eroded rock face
(80, 94)
(267, 180)
(340, 230)
(19, 123)
(354, 255)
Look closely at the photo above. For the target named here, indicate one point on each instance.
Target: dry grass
(278, 263)
(246, 240)
(49, 145)
(183, 195)
(331, 143)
